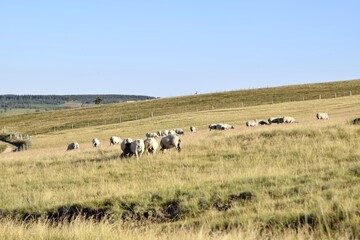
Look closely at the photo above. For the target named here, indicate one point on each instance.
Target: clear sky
(174, 47)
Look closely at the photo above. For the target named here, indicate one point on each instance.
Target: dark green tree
(98, 100)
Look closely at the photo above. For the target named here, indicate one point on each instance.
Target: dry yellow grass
(340, 110)
(298, 171)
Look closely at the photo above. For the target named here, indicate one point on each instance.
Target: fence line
(165, 111)
(21, 141)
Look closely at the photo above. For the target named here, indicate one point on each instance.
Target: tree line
(53, 102)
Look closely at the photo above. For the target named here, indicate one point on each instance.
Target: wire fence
(198, 108)
(113, 114)
(21, 141)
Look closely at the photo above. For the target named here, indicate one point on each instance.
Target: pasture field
(16, 111)
(293, 181)
(53, 121)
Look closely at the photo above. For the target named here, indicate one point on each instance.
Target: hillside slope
(115, 113)
(299, 180)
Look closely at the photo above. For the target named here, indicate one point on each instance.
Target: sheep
(213, 126)
(151, 135)
(137, 147)
(96, 142)
(276, 120)
(73, 146)
(251, 123)
(322, 116)
(262, 122)
(179, 131)
(151, 145)
(166, 132)
(288, 119)
(114, 140)
(220, 126)
(172, 132)
(125, 147)
(225, 126)
(131, 147)
(159, 133)
(192, 129)
(170, 141)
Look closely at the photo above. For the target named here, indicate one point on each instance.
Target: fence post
(335, 95)
(320, 96)
(152, 114)
(72, 126)
(350, 93)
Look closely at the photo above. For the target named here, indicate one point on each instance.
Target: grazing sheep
(322, 116)
(225, 126)
(172, 132)
(288, 119)
(159, 133)
(166, 132)
(96, 142)
(132, 147)
(125, 147)
(213, 126)
(276, 120)
(151, 145)
(262, 122)
(170, 141)
(137, 147)
(220, 126)
(114, 140)
(73, 146)
(151, 135)
(179, 131)
(192, 129)
(251, 123)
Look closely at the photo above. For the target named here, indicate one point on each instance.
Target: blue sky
(171, 48)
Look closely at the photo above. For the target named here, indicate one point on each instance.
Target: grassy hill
(122, 112)
(292, 181)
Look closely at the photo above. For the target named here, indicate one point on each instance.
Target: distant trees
(98, 100)
(55, 102)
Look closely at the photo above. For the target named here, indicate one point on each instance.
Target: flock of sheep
(256, 122)
(171, 139)
(130, 147)
(220, 126)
